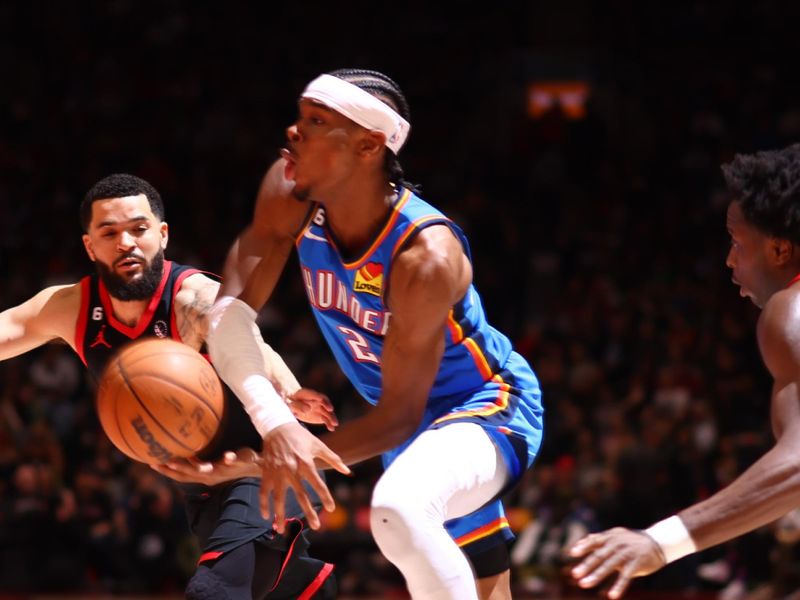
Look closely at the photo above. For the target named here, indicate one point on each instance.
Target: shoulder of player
(60, 298)
(433, 265)
(196, 295)
(779, 326)
(54, 309)
(277, 211)
(782, 308)
(191, 305)
(199, 283)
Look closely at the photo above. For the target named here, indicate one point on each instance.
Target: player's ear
(783, 251)
(163, 231)
(87, 243)
(371, 143)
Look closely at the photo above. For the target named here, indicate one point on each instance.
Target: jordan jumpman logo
(100, 339)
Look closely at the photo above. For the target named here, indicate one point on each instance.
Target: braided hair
(388, 92)
(767, 187)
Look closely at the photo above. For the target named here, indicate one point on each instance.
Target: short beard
(140, 288)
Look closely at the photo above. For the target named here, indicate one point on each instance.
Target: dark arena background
(577, 143)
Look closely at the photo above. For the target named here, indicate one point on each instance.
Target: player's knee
(394, 522)
(390, 527)
(205, 585)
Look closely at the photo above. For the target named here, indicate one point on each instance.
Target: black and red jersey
(99, 335)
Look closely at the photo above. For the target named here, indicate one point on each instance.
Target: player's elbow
(785, 463)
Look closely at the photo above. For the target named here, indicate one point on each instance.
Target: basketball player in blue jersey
(137, 293)
(457, 413)
(764, 225)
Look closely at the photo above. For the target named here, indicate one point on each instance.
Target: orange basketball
(159, 399)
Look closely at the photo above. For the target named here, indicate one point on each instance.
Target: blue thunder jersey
(480, 378)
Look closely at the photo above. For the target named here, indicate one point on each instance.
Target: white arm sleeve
(238, 360)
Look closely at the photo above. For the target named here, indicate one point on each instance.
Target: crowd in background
(598, 246)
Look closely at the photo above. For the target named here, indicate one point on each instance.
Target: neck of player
(128, 311)
(356, 215)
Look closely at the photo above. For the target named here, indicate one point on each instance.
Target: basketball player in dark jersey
(764, 225)
(137, 293)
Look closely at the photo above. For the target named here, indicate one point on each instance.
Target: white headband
(359, 106)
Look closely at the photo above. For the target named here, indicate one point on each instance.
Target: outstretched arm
(49, 315)
(238, 359)
(767, 490)
(192, 305)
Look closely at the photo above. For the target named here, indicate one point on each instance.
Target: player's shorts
(485, 536)
(509, 408)
(227, 516)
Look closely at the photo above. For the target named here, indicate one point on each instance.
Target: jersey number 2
(358, 345)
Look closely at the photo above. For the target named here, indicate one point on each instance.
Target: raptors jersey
(480, 378)
(100, 335)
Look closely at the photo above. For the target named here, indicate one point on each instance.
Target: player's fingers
(175, 468)
(322, 490)
(330, 457)
(603, 570)
(264, 495)
(167, 472)
(590, 563)
(300, 405)
(586, 545)
(248, 455)
(330, 420)
(326, 402)
(623, 580)
(308, 508)
(199, 465)
(279, 508)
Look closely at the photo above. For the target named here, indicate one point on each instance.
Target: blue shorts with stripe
(509, 408)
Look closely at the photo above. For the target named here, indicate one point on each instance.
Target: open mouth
(128, 264)
(290, 169)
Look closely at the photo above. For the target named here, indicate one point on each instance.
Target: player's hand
(288, 459)
(631, 553)
(245, 462)
(311, 406)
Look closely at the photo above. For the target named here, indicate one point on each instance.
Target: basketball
(159, 399)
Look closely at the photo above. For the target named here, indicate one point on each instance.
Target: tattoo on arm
(191, 319)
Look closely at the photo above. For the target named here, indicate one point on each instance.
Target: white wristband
(673, 538)
(238, 360)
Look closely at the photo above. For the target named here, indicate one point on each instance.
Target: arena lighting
(569, 96)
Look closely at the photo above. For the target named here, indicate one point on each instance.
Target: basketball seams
(131, 451)
(132, 361)
(147, 410)
(158, 395)
(188, 353)
(179, 385)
